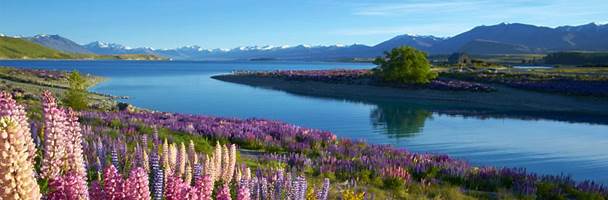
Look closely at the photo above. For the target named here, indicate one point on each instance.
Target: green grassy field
(17, 48)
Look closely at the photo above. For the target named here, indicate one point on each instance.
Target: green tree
(76, 97)
(405, 65)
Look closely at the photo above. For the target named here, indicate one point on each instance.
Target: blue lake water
(540, 145)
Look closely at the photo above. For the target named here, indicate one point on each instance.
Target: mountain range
(513, 38)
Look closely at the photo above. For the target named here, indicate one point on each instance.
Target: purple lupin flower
(157, 176)
(96, 192)
(324, 191)
(114, 158)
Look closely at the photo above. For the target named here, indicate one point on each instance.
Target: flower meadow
(322, 154)
(59, 158)
(158, 155)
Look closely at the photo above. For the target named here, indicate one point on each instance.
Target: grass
(26, 85)
(18, 48)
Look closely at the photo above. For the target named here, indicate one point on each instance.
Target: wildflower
(17, 172)
(68, 186)
(204, 187)
(157, 177)
(9, 107)
(55, 137)
(136, 186)
(324, 191)
(224, 193)
(96, 192)
(181, 160)
(192, 156)
(243, 190)
(112, 183)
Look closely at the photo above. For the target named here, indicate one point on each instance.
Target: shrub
(405, 65)
(76, 96)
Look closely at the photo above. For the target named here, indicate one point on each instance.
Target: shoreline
(504, 102)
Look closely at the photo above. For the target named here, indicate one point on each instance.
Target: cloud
(440, 30)
(391, 9)
(466, 8)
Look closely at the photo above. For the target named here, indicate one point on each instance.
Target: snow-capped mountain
(106, 48)
(495, 39)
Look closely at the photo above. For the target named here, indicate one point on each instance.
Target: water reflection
(399, 121)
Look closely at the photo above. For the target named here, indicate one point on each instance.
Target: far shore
(504, 102)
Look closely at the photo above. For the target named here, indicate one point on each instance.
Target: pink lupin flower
(177, 190)
(69, 186)
(136, 186)
(243, 192)
(204, 188)
(112, 183)
(224, 193)
(75, 159)
(55, 137)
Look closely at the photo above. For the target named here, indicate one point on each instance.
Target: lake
(536, 143)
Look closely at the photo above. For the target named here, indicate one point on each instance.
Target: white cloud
(435, 29)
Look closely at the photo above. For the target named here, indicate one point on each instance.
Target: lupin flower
(136, 186)
(166, 156)
(9, 107)
(16, 171)
(75, 159)
(157, 177)
(96, 192)
(55, 137)
(231, 163)
(178, 190)
(204, 187)
(192, 156)
(172, 157)
(69, 186)
(188, 174)
(224, 193)
(114, 158)
(181, 160)
(243, 190)
(324, 191)
(145, 162)
(112, 183)
(197, 172)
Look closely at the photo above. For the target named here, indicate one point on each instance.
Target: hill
(20, 48)
(59, 43)
(17, 48)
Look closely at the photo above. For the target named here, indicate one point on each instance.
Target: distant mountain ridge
(59, 43)
(504, 38)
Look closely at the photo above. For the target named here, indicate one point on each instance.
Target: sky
(229, 23)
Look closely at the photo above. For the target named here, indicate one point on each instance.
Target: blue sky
(228, 23)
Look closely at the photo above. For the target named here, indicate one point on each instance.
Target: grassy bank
(18, 48)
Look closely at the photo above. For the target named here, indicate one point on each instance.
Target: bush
(405, 65)
(76, 96)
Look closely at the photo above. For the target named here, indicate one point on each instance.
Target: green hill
(17, 48)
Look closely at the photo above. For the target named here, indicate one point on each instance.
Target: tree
(404, 65)
(76, 97)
